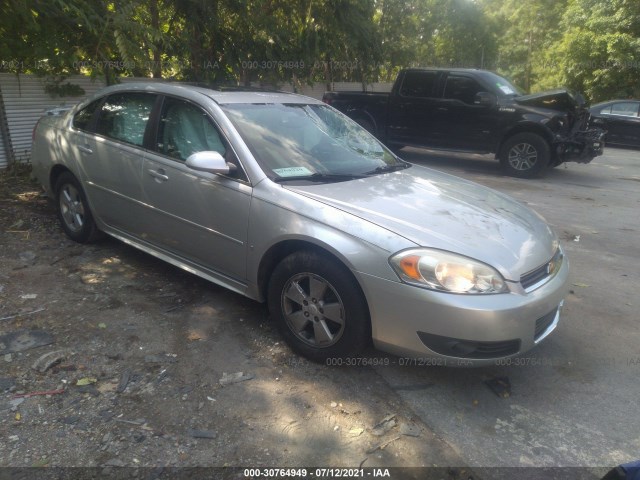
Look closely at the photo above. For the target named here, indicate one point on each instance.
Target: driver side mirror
(210, 162)
(485, 99)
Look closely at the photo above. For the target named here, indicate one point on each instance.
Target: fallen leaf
(86, 381)
(18, 417)
(193, 336)
(356, 432)
(102, 325)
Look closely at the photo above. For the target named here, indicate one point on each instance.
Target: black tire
(73, 210)
(318, 307)
(525, 155)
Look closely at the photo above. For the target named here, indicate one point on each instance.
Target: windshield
(293, 142)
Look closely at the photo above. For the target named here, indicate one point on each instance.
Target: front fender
(361, 246)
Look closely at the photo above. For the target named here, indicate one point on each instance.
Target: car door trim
(180, 262)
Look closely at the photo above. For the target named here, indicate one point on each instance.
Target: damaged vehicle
(480, 112)
(283, 199)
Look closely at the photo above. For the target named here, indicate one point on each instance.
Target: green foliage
(589, 45)
(526, 30)
(599, 51)
(57, 87)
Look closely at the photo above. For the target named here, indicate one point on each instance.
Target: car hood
(560, 99)
(436, 210)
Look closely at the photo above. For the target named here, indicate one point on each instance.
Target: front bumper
(462, 330)
(582, 147)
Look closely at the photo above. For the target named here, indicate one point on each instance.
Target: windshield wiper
(389, 168)
(321, 177)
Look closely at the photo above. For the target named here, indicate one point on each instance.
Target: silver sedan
(283, 199)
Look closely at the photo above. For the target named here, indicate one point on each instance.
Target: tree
(599, 51)
(526, 29)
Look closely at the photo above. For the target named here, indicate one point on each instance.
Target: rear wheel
(525, 155)
(318, 307)
(73, 210)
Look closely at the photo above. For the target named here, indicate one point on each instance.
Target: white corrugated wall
(25, 101)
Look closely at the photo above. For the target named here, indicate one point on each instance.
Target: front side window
(82, 119)
(463, 89)
(124, 117)
(295, 141)
(186, 129)
(418, 84)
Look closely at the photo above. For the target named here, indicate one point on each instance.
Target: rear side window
(124, 117)
(463, 89)
(82, 119)
(418, 84)
(626, 109)
(185, 129)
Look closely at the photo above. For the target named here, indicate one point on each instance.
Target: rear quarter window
(82, 119)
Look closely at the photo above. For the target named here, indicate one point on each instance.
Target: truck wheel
(525, 155)
(73, 210)
(318, 308)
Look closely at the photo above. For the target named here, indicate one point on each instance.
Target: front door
(461, 123)
(197, 216)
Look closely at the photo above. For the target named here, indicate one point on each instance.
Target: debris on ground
(81, 382)
(230, 378)
(124, 381)
(383, 445)
(57, 391)
(48, 360)
(202, 433)
(409, 429)
(22, 340)
(501, 386)
(384, 426)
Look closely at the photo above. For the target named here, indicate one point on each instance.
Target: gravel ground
(147, 365)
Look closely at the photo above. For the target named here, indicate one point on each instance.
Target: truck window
(418, 84)
(462, 88)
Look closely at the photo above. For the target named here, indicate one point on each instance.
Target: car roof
(222, 96)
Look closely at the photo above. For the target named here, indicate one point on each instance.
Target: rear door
(622, 123)
(412, 109)
(198, 216)
(111, 158)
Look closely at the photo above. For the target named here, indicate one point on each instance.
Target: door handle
(85, 149)
(159, 175)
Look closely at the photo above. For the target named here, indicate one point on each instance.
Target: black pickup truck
(477, 111)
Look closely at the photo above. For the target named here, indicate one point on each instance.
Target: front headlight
(446, 272)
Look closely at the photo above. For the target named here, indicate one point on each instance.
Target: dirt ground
(136, 353)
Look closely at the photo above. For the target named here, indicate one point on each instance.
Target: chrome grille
(538, 277)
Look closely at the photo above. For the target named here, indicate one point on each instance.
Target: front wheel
(525, 155)
(73, 210)
(318, 307)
